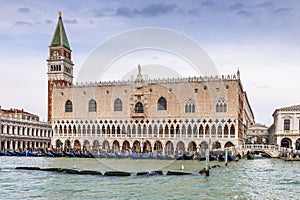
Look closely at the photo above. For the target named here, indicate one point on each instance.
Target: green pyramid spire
(60, 36)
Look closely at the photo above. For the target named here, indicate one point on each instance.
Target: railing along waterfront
(262, 147)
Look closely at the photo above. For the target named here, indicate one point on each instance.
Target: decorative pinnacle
(59, 13)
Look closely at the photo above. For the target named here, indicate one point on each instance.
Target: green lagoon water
(246, 179)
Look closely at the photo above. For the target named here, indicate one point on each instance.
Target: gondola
(78, 155)
(134, 156)
(69, 154)
(48, 154)
(86, 155)
(170, 157)
(160, 156)
(188, 157)
(122, 155)
(21, 153)
(57, 154)
(12, 153)
(152, 156)
(2, 153)
(231, 158)
(33, 153)
(111, 155)
(144, 156)
(221, 158)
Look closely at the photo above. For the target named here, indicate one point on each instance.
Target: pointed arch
(226, 130)
(169, 148)
(158, 146)
(126, 145)
(189, 131)
(161, 131)
(228, 144)
(221, 105)
(216, 145)
(219, 132)
(213, 131)
(92, 106)
(136, 146)
(77, 145)
(67, 145)
(147, 147)
(183, 131)
(162, 104)
(207, 130)
(150, 134)
(118, 106)
(58, 143)
(155, 131)
(201, 131)
(232, 131)
(96, 145)
(203, 146)
(192, 147)
(177, 131)
(116, 146)
(139, 108)
(195, 131)
(189, 106)
(105, 145)
(180, 148)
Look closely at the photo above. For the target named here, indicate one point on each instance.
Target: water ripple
(246, 179)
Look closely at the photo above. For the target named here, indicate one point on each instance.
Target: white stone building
(169, 115)
(286, 127)
(22, 130)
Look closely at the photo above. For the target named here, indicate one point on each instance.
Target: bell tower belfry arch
(60, 65)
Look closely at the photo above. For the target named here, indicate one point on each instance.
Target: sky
(260, 38)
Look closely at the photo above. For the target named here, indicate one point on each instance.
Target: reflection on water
(246, 179)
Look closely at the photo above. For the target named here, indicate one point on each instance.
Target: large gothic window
(118, 105)
(189, 107)
(92, 106)
(69, 106)
(221, 105)
(161, 104)
(139, 108)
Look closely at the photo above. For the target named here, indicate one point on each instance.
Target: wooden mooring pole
(226, 157)
(207, 162)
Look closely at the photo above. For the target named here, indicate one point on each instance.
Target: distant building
(168, 115)
(257, 134)
(286, 127)
(22, 130)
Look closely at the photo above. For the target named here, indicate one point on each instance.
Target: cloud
(245, 13)
(208, 3)
(156, 9)
(282, 10)
(68, 21)
(24, 10)
(264, 5)
(103, 12)
(236, 6)
(151, 10)
(124, 12)
(23, 23)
